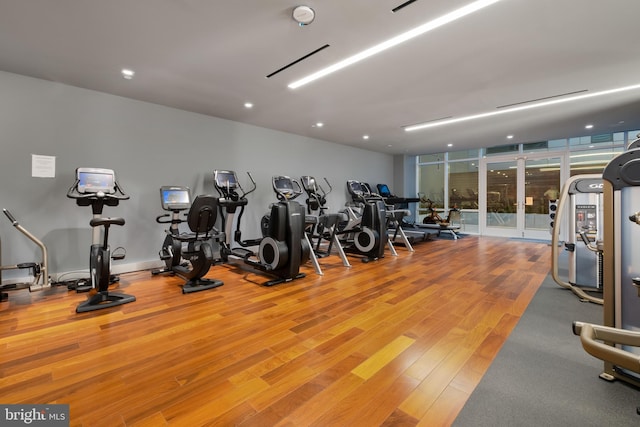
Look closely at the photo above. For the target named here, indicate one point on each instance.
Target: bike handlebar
(171, 220)
(74, 194)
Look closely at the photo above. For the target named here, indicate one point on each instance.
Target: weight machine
(39, 270)
(581, 203)
(617, 342)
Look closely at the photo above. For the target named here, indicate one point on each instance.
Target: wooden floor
(398, 342)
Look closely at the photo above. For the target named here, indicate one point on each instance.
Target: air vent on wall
(302, 58)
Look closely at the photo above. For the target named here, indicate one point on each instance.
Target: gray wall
(148, 146)
(404, 178)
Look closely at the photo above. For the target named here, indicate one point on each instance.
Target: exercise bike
(98, 188)
(194, 261)
(322, 227)
(39, 270)
(282, 249)
(433, 217)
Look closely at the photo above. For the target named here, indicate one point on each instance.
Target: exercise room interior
(407, 213)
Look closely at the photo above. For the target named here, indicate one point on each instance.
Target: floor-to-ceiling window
(431, 184)
(506, 188)
(590, 154)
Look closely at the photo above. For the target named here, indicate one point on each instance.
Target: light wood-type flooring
(398, 342)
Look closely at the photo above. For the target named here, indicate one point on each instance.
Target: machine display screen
(356, 188)
(284, 184)
(175, 198)
(95, 180)
(384, 190)
(309, 183)
(226, 179)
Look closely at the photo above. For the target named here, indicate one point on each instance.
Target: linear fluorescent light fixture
(431, 25)
(431, 124)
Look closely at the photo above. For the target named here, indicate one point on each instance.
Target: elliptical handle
(253, 182)
(329, 184)
(11, 217)
(297, 191)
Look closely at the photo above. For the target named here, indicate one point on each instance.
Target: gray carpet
(543, 377)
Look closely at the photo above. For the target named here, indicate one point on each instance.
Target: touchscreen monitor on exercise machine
(355, 188)
(94, 180)
(309, 183)
(283, 185)
(383, 190)
(226, 179)
(175, 198)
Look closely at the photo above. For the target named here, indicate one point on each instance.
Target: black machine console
(175, 198)
(95, 180)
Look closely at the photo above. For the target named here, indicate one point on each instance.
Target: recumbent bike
(188, 255)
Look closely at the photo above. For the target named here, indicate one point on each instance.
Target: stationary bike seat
(96, 222)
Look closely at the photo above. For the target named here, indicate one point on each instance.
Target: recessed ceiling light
(127, 73)
(509, 136)
(248, 105)
(318, 125)
(449, 145)
(365, 136)
(589, 126)
(408, 35)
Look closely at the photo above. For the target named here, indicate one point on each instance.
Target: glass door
(542, 184)
(516, 192)
(500, 210)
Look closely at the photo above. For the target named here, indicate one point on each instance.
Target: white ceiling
(211, 56)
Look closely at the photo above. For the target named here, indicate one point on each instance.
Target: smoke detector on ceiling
(303, 15)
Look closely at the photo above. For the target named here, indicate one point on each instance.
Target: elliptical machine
(288, 189)
(198, 254)
(322, 226)
(96, 188)
(365, 231)
(282, 249)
